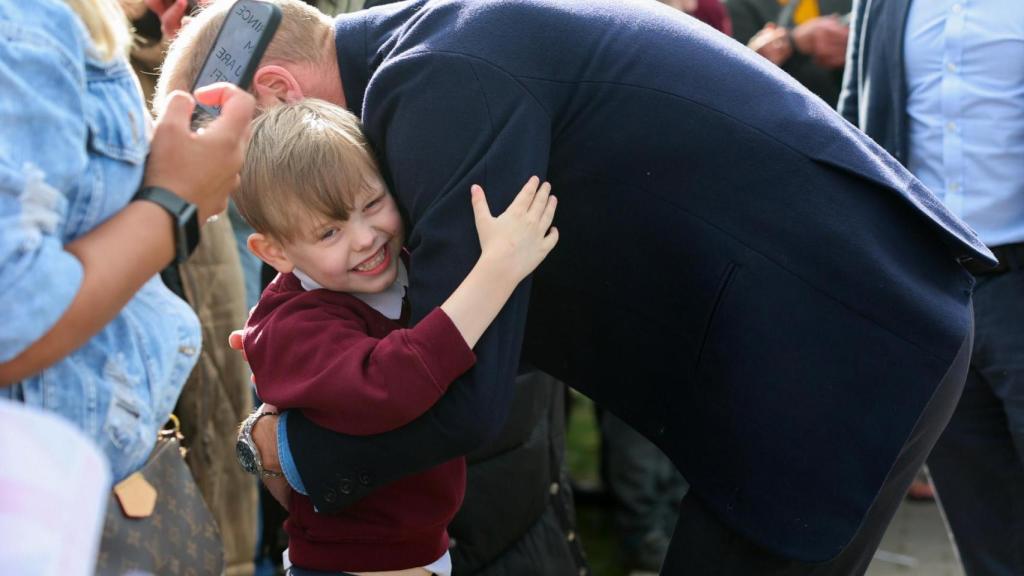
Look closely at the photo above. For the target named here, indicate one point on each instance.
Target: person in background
(806, 38)
(94, 202)
(940, 84)
(711, 12)
(646, 489)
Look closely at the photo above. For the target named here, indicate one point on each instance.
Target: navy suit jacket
(742, 275)
(874, 95)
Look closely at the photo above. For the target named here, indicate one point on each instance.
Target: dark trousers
(647, 488)
(704, 546)
(978, 462)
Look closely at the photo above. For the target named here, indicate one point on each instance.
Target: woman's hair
(107, 25)
(307, 159)
(300, 38)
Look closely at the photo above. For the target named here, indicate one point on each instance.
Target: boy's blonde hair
(304, 159)
(300, 39)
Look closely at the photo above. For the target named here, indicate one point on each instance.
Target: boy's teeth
(371, 264)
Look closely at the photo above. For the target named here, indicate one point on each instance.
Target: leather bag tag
(136, 496)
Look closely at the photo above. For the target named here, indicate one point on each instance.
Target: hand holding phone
(201, 167)
(241, 41)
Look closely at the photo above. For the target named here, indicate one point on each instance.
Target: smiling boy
(327, 336)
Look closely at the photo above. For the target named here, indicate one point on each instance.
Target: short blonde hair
(107, 25)
(300, 38)
(309, 158)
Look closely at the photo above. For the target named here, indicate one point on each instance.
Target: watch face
(246, 457)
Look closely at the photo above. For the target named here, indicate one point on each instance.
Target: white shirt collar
(388, 302)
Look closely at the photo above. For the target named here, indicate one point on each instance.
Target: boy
(326, 336)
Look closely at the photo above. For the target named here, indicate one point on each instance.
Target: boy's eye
(374, 203)
(328, 233)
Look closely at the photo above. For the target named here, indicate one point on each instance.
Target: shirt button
(957, 8)
(330, 496)
(570, 536)
(345, 486)
(954, 186)
(187, 350)
(951, 67)
(554, 488)
(365, 478)
(951, 126)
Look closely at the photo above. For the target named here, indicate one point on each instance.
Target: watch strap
(247, 427)
(185, 214)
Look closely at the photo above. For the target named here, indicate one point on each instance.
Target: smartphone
(237, 51)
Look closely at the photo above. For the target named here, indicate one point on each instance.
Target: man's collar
(362, 40)
(350, 50)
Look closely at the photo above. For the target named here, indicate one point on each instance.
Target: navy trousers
(978, 462)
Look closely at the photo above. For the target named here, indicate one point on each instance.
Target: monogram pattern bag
(157, 521)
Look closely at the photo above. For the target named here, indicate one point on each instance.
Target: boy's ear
(270, 251)
(273, 84)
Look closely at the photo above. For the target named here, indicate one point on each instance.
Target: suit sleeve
(346, 381)
(849, 98)
(439, 122)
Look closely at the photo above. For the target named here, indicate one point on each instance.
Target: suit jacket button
(345, 486)
(365, 478)
(330, 496)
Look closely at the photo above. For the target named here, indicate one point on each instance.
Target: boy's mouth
(376, 263)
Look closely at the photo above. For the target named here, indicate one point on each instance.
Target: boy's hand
(521, 237)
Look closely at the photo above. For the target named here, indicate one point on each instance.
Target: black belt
(1010, 256)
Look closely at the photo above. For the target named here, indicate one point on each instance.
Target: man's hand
(823, 38)
(264, 434)
(772, 43)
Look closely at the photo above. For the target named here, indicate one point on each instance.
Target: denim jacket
(73, 146)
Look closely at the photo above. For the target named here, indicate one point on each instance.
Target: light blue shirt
(72, 154)
(965, 85)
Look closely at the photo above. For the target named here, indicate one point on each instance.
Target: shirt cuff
(284, 456)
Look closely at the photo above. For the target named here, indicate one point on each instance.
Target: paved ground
(916, 544)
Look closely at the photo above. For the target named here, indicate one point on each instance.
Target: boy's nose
(364, 237)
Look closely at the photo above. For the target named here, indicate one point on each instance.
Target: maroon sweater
(350, 369)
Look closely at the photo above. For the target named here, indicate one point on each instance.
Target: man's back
(777, 340)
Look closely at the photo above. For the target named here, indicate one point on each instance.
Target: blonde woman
(94, 202)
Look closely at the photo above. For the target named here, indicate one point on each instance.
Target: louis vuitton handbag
(157, 521)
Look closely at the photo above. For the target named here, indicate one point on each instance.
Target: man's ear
(273, 84)
(270, 251)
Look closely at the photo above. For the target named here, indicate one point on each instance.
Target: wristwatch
(245, 448)
(186, 219)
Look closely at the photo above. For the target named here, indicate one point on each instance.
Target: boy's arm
(440, 123)
(322, 362)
